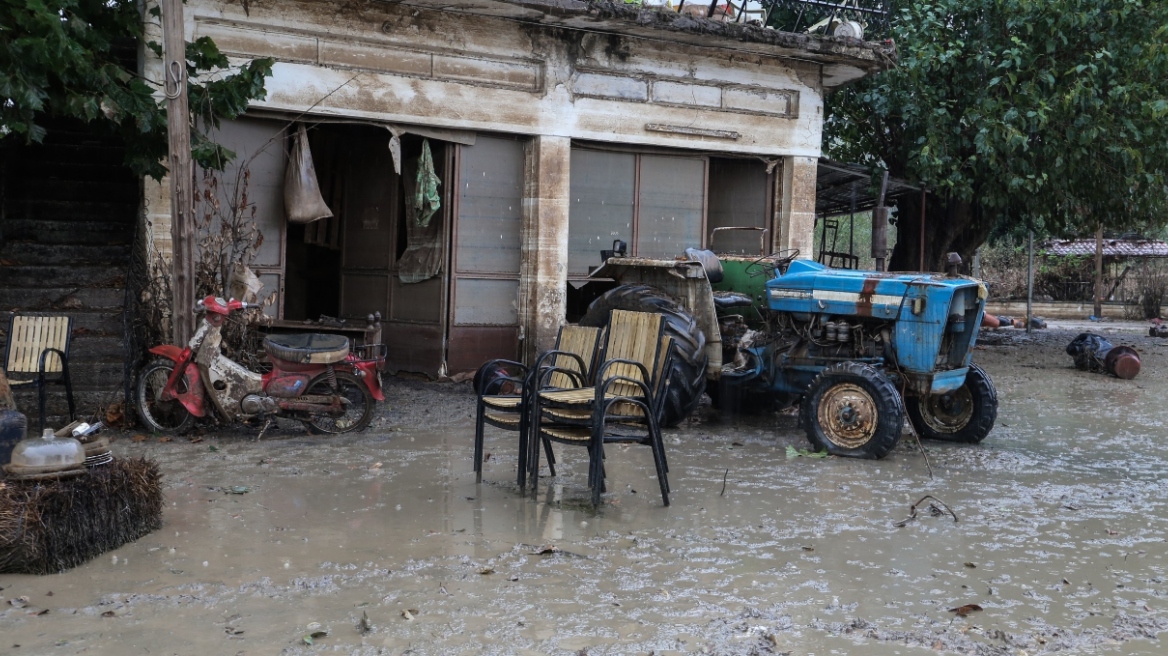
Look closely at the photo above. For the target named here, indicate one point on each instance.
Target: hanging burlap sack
(302, 200)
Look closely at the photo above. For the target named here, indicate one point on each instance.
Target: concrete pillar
(544, 268)
(795, 206)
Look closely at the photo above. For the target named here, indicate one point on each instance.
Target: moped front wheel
(160, 416)
(356, 399)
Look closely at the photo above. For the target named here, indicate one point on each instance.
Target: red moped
(315, 378)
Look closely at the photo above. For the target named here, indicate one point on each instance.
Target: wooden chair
(623, 405)
(503, 390)
(39, 345)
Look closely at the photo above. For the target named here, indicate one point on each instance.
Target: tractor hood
(810, 287)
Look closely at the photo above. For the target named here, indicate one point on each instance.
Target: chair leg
(596, 475)
(524, 449)
(68, 387)
(658, 446)
(533, 440)
(41, 398)
(551, 457)
(478, 444)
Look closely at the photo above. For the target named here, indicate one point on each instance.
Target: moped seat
(307, 348)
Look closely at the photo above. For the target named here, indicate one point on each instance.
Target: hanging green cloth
(426, 201)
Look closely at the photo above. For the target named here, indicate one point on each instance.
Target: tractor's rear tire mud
(688, 375)
(852, 410)
(965, 415)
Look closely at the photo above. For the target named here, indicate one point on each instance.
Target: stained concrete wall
(505, 70)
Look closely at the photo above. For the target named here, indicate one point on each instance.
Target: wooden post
(1029, 280)
(922, 257)
(181, 172)
(1099, 271)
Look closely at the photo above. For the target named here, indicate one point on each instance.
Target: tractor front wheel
(852, 410)
(966, 414)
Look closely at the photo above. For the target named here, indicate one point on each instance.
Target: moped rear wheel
(356, 398)
(157, 415)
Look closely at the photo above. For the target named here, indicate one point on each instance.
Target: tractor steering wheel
(767, 264)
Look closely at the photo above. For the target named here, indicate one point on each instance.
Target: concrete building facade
(555, 127)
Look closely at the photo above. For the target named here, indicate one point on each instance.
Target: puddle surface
(1060, 539)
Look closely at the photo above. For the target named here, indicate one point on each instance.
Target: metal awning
(839, 185)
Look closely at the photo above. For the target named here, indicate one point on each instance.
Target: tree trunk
(950, 226)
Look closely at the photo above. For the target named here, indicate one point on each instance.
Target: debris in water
(971, 565)
(363, 625)
(19, 602)
(138, 438)
(965, 610)
(237, 489)
(933, 509)
(109, 613)
(376, 465)
(487, 570)
(409, 614)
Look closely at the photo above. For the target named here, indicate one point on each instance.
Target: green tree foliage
(75, 58)
(1049, 113)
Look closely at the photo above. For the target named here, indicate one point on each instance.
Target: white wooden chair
(37, 346)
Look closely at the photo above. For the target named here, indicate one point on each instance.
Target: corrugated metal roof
(1111, 247)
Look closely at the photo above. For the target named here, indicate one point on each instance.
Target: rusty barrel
(1122, 361)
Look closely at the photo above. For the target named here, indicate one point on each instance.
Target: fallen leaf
(164, 440)
(310, 637)
(1066, 582)
(49, 593)
(195, 440)
(971, 565)
(808, 548)
(409, 617)
(212, 449)
(487, 570)
(376, 465)
(109, 613)
(486, 457)
(737, 444)
(237, 489)
(139, 438)
(550, 549)
(792, 452)
(43, 612)
(962, 611)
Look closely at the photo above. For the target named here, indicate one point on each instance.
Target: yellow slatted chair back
(30, 336)
(582, 341)
(632, 336)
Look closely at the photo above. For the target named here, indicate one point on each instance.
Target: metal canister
(1122, 361)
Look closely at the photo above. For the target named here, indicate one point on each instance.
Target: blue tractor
(856, 349)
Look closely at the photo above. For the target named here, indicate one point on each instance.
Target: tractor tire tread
(688, 377)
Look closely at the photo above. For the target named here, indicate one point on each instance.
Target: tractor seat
(307, 348)
(727, 300)
(710, 263)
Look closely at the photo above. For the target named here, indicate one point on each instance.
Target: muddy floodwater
(1060, 540)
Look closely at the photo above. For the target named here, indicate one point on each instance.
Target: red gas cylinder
(1123, 361)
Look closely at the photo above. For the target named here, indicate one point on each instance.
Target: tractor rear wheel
(853, 410)
(966, 414)
(687, 379)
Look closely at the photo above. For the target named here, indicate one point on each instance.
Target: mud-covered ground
(1060, 539)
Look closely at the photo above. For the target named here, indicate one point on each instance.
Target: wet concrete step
(63, 299)
(34, 254)
(61, 230)
(88, 375)
(96, 322)
(62, 275)
(66, 190)
(90, 404)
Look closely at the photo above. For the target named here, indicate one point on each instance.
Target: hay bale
(51, 526)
